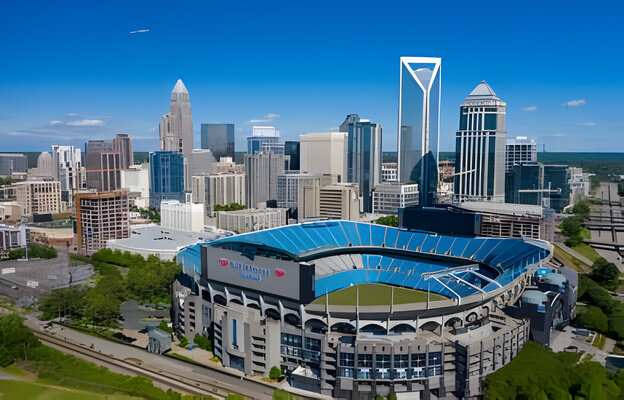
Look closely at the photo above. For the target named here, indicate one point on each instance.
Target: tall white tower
(419, 121)
(176, 127)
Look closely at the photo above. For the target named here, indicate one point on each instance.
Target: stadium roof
(347, 253)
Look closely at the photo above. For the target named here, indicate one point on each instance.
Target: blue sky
(71, 71)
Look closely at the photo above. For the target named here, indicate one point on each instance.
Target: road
(607, 220)
(193, 376)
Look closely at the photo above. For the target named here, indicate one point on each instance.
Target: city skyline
(123, 84)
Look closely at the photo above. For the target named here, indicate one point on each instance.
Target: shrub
(594, 319)
(183, 341)
(275, 373)
(388, 220)
(202, 342)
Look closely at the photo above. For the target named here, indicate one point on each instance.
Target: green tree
(16, 340)
(68, 302)
(202, 342)
(388, 220)
(605, 272)
(581, 209)
(275, 373)
(594, 319)
(574, 240)
(571, 226)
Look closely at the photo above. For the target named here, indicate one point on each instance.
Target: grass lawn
(570, 261)
(375, 294)
(34, 390)
(587, 251)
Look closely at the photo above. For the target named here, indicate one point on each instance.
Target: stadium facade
(353, 310)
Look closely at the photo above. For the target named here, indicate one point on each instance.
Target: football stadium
(354, 310)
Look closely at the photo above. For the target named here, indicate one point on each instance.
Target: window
(418, 360)
(313, 344)
(347, 360)
(435, 358)
(365, 360)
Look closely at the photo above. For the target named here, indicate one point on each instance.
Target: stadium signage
(248, 271)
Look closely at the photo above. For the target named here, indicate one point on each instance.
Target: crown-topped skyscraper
(176, 127)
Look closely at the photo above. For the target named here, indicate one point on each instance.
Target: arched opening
(316, 326)
(219, 299)
(343, 327)
(453, 323)
(472, 318)
(431, 326)
(403, 328)
(374, 329)
(254, 306)
(292, 319)
(273, 314)
(236, 300)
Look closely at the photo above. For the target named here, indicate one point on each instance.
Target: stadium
(354, 310)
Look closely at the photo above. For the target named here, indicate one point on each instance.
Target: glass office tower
(364, 156)
(293, 149)
(166, 177)
(219, 139)
(419, 120)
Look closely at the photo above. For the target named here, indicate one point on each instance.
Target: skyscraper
(264, 138)
(67, 168)
(419, 120)
(176, 127)
(520, 150)
(44, 164)
(364, 156)
(262, 170)
(123, 144)
(103, 163)
(293, 149)
(480, 147)
(166, 177)
(218, 138)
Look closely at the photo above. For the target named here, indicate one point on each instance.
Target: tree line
(147, 281)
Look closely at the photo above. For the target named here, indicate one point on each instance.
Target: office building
(123, 144)
(176, 127)
(538, 184)
(252, 219)
(340, 201)
(103, 165)
(100, 217)
(13, 237)
(446, 169)
(11, 211)
(218, 138)
(218, 189)
(38, 197)
(166, 177)
(182, 216)
(291, 187)
(137, 179)
(389, 172)
(390, 196)
(265, 139)
(580, 183)
(199, 163)
(262, 170)
(10, 163)
(364, 156)
(556, 180)
(45, 165)
(419, 119)
(325, 153)
(480, 147)
(293, 149)
(226, 165)
(316, 314)
(68, 169)
(520, 150)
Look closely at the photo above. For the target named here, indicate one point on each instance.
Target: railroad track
(174, 381)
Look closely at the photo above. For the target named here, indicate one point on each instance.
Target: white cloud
(139, 31)
(267, 118)
(86, 122)
(39, 135)
(558, 135)
(575, 103)
(56, 122)
(530, 108)
(586, 123)
(72, 115)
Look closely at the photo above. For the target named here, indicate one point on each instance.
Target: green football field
(375, 294)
